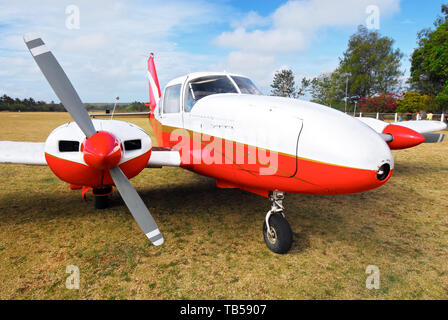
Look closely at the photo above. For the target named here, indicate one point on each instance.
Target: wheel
(280, 239)
(101, 202)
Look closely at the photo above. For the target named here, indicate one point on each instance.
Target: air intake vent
(132, 145)
(68, 146)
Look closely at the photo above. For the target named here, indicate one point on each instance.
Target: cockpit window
(171, 101)
(246, 85)
(205, 86)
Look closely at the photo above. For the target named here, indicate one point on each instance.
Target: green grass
(214, 247)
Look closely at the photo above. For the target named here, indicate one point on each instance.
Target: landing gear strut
(276, 229)
(102, 197)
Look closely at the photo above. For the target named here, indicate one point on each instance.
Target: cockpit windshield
(204, 86)
(246, 85)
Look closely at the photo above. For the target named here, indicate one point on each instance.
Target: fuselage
(264, 143)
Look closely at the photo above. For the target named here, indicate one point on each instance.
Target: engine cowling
(86, 162)
(402, 137)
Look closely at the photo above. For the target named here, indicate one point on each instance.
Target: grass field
(214, 247)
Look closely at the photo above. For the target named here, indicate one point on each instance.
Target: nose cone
(102, 151)
(350, 156)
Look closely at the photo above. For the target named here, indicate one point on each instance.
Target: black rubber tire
(101, 202)
(282, 241)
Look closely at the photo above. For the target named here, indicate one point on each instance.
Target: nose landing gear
(102, 197)
(276, 229)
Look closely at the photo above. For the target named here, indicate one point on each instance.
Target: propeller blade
(60, 83)
(135, 204)
(434, 137)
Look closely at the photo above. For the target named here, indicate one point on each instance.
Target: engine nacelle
(402, 137)
(66, 155)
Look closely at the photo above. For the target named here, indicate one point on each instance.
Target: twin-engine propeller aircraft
(218, 125)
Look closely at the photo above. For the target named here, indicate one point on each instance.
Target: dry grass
(214, 247)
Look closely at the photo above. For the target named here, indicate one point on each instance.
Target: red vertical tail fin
(154, 87)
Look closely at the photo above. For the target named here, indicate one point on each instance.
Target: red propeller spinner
(403, 137)
(102, 151)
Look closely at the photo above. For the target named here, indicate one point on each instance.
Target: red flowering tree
(383, 103)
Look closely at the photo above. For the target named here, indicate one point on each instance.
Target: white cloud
(107, 55)
(88, 42)
(255, 66)
(250, 20)
(289, 31)
(270, 41)
(294, 24)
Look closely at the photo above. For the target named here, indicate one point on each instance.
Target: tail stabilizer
(154, 87)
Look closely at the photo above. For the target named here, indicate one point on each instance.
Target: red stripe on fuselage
(311, 177)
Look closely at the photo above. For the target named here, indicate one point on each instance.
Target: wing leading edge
(423, 127)
(33, 153)
(30, 153)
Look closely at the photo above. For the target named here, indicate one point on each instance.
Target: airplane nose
(102, 151)
(347, 155)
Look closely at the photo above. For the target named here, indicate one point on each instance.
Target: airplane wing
(121, 114)
(31, 153)
(422, 126)
(161, 157)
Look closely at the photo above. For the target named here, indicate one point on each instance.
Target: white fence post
(396, 117)
(377, 115)
(442, 118)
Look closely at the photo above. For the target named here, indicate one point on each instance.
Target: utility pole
(346, 94)
(346, 74)
(284, 90)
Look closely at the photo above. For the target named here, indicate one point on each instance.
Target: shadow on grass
(327, 217)
(418, 169)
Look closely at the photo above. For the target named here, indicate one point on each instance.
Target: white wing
(422, 126)
(375, 124)
(22, 153)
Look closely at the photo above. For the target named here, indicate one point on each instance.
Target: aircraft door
(271, 141)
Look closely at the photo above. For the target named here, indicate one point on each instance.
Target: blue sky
(106, 56)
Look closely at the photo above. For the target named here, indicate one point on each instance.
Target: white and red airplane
(218, 125)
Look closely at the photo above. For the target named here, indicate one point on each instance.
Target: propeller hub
(102, 151)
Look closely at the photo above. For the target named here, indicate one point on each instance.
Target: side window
(171, 101)
(189, 98)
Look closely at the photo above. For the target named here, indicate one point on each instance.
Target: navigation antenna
(113, 111)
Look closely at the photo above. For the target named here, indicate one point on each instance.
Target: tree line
(369, 74)
(30, 105)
